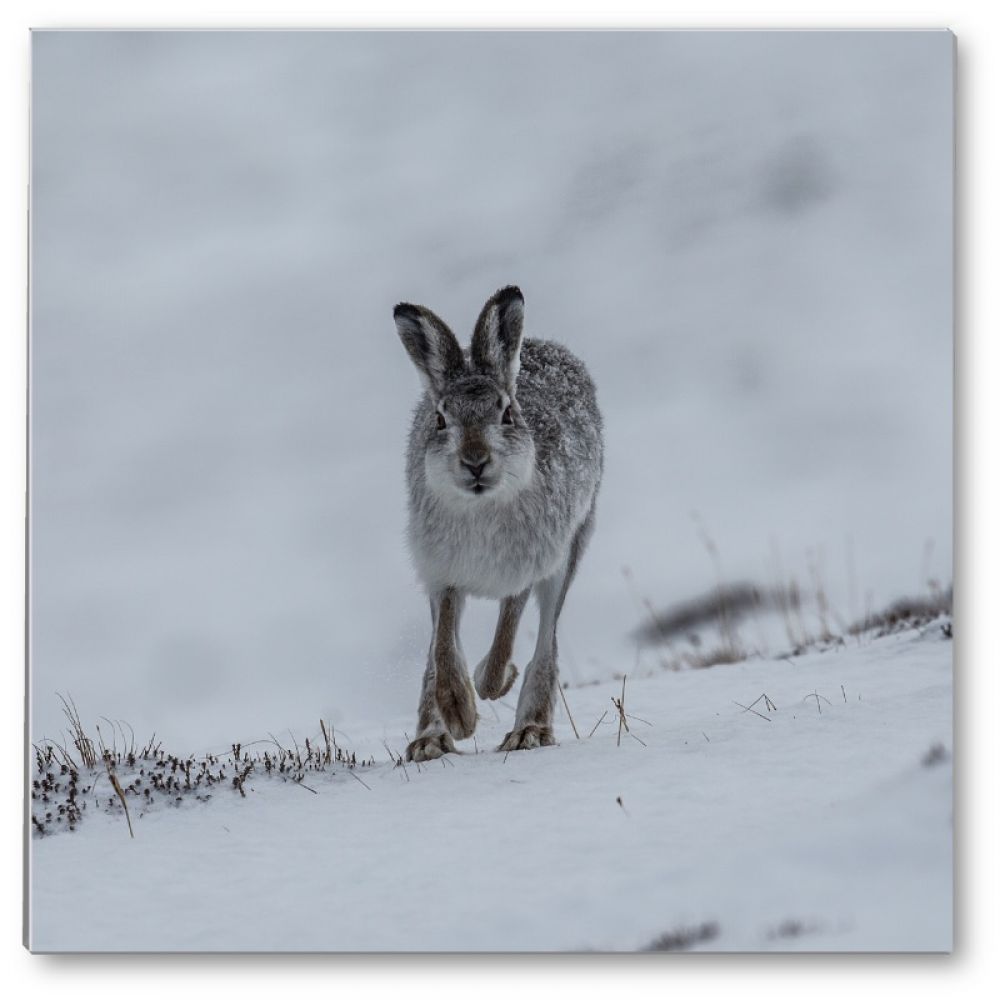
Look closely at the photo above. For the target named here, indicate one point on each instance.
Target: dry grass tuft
(906, 613)
(791, 928)
(685, 938)
(704, 631)
(149, 777)
(84, 745)
(937, 754)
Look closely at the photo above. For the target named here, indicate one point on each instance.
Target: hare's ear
(496, 343)
(430, 344)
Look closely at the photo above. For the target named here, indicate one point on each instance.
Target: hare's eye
(441, 423)
(508, 417)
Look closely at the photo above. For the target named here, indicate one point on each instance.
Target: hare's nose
(476, 463)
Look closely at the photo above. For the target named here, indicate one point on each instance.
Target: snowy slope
(747, 237)
(822, 823)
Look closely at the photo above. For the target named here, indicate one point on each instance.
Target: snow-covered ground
(822, 823)
(745, 235)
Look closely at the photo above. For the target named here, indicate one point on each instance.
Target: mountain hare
(504, 462)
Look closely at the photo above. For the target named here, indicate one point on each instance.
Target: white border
(976, 496)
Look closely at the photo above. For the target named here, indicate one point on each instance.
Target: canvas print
(490, 491)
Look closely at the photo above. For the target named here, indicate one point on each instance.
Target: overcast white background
(745, 235)
(979, 69)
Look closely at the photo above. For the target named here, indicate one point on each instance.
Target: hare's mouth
(480, 486)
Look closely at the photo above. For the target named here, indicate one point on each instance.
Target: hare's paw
(493, 681)
(456, 702)
(528, 737)
(429, 747)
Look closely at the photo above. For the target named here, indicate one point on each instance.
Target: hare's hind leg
(495, 674)
(447, 701)
(533, 719)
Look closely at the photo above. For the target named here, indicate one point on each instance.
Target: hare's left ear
(496, 343)
(431, 345)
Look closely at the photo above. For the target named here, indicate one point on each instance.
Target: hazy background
(747, 237)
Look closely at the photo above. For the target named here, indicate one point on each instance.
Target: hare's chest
(494, 556)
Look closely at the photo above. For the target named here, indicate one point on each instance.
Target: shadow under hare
(503, 466)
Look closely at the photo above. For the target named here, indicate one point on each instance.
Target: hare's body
(503, 467)
(498, 546)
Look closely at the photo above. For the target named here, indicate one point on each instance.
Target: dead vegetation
(937, 754)
(67, 782)
(711, 628)
(907, 613)
(791, 929)
(623, 717)
(726, 603)
(685, 938)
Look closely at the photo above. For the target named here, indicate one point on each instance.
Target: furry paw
(528, 737)
(456, 701)
(493, 683)
(430, 747)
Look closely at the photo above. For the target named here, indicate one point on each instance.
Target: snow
(826, 818)
(747, 236)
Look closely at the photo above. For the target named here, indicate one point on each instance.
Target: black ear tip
(405, 310)
(509, 294)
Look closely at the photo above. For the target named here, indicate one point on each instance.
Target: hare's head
(476, 443)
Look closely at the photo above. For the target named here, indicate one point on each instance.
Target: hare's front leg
(495, 674)
(447, 701)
